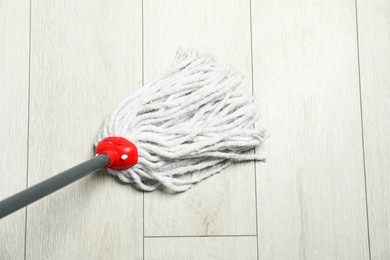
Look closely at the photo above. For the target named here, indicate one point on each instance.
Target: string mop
(174, 132)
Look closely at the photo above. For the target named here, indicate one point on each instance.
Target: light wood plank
(374, 42)
(202, 248)
(225, 203)
(14, 62)
(311, 196)
(86, 56)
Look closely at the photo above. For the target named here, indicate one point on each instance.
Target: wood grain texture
(86, 56)
(225, 203)
(374, 43)
(311, 196)
(14, 60)
(201, 248)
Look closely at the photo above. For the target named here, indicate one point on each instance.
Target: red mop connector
(123, 154)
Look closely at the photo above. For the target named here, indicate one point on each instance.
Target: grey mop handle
(42, 189)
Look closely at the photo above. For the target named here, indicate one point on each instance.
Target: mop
(174, 132)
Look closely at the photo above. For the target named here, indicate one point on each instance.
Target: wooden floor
(320, 71)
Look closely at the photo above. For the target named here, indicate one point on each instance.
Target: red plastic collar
(123, 154)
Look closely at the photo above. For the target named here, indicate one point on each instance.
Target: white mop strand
(188, 125)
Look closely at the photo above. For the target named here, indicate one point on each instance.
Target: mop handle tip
(123, 154)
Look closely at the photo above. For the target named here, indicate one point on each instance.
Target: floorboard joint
(200, 236)
(28, 129)
(253, 92)
(362, 128)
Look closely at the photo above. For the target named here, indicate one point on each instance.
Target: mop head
(187, 125)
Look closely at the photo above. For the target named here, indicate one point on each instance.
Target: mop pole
(44, 188)
(112, 152)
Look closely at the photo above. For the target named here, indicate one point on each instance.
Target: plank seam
(143, 79)
(362, 129)
(193, 236)
(253, 91)
(28, 128)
